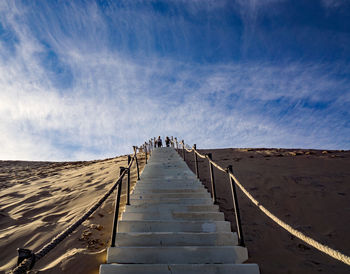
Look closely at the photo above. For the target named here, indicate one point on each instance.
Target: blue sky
(89, 79)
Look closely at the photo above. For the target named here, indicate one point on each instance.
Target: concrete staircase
(172, 226)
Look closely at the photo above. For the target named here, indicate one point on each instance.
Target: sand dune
(308, 189)
(40, 199)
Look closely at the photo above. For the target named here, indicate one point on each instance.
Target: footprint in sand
(88, 181)
(36, 197)
(36, 211)
(67, 189)
(53, 217)
(5, 218)
(99, 187)
(23, 183)
(44, 193)
(77, 176)
(15, 195)
(46, 186)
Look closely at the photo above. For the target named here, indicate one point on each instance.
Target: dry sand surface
(38, 200)
(308, 189)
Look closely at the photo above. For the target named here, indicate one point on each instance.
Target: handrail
(234, 181)
(27, 258)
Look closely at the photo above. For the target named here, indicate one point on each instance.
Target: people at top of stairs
(167, 141)
(159, 142)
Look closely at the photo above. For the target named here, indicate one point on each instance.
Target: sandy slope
(40, 199)
(309, 190)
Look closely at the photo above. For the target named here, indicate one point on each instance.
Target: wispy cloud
(96, 99)
(333, 3)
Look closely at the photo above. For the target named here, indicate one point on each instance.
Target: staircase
(172, 226)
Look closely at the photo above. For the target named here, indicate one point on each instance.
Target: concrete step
(179, 268)
(178, 255)
(166, 176)
(172, 215)
(166, 184)
(169, 195)
(177, 168)
(197, 201)
(163, 191)
(176, 239)
(172, 207)
(172, 181)
(168, 187)
(169, 183)
(173, 226)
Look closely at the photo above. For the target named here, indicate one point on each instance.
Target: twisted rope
(29, 262)
(200, 155)
(215, 164)
(321, 247)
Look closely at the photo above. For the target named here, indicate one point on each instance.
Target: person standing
(167, 141)
(159, 142)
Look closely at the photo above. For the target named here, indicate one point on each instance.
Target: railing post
(236, 207)
(116, 210)
(128, 194)
(211, 171)
(146, 152)
(183, 150)
(195, 160)
(137, 163)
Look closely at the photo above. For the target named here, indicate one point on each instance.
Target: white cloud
(116, 101)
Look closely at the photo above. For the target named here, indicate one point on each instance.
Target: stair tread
(180, 268)
(177, 254)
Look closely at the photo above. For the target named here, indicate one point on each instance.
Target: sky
(82, 80)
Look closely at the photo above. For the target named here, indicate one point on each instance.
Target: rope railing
(234, 181)
(27, 258)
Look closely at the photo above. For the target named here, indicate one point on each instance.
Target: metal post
(236, 207)
(116, 210)
(128, 194)
(183, 150)
(137, 163)
(213, 190)
(195, 160)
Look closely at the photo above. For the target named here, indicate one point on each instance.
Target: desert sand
(308, 189)
(40, 199)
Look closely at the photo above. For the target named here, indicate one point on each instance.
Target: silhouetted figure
(167, 141)
(159, 142)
